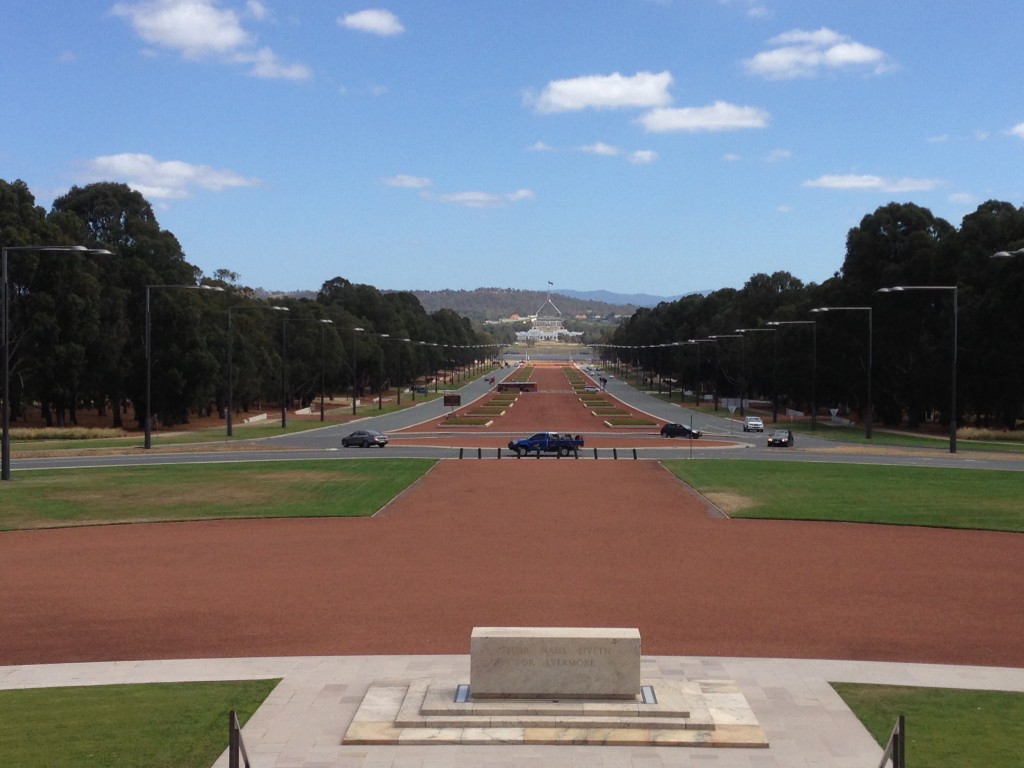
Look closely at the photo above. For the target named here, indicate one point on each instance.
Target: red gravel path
(530, 542)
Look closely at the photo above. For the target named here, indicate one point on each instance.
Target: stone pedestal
(554, 663)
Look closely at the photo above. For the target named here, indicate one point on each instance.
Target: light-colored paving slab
(302, 722)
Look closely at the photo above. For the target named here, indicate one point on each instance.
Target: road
(325, 442)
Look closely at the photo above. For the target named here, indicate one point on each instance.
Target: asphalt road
(326, 441)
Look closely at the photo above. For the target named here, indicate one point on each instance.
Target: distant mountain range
(498, 303)
(607, 297)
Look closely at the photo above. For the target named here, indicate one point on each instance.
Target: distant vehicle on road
(680, 430)
(753, 424)
(546, 442)
(781, 438)
(364, 438)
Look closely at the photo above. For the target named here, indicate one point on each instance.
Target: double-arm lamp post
(355, 378)
(743, 373)
(952, 394)
(5, 444)
(148, 418)
(814, 363)
(231, 346)
(869, 411)
(775, 357)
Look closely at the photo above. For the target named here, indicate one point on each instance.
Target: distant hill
(627, 299)
(497, 303)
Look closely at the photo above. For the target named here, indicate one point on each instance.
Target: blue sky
(637, 146)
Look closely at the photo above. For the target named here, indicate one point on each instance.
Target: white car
(753, 424)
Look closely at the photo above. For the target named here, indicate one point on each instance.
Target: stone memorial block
(554, 663)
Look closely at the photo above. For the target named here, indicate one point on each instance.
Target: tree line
(909, 334)
(78, 334)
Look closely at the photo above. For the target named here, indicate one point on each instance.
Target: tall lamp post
(775, 358)
(956, 303)
(814, 363)
(148, 418)
(380, 374)
(398, 387)
(355, 378)
(869, 415)
(743, 364)
(231, 413)
(5, 444)
(324, 322)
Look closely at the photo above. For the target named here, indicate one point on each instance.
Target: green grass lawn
(180, 725)
(318, 488)
(946, 728)
(950, 498)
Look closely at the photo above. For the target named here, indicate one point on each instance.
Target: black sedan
(781, 438)
(680, 430)
(364, 438)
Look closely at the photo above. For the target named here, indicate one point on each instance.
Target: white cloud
(731, 157)
(778, 156)
(257, 10)
(614, 91)
(803, 53)
(408, 182)
(481, 199)
(1018, 130)
(540, 146)
(600, 148)
(266, 65)
(643, 156)
(162, 179)
(870, 182)
(199, 28)
(376, 21)
(720, 116)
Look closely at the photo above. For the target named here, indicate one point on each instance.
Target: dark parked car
(680, 430)
(364, 438)
(780, 437)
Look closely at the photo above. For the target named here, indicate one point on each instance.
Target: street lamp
(743, 373)
(398, 387)
(775, 359)
(380, 374)
(230, 414)
(324, 322)
(697, 389)
(5, 444)
(814, 363)
(147, 418)
(869, 415)
(956, 302)
(354, 377)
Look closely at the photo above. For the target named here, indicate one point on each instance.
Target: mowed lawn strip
(946, 728)
(317, 488)
(174, 725)
(936, 497)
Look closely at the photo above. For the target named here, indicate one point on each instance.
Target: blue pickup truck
(547, 442)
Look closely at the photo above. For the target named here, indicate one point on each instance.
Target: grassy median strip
(928, 496)
(946, 728)
(179, 725)
(317, 488)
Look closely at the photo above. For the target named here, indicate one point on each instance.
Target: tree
(120, 219)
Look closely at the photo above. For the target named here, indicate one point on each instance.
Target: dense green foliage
(176, 725)
(897, 245)
(78, 322)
